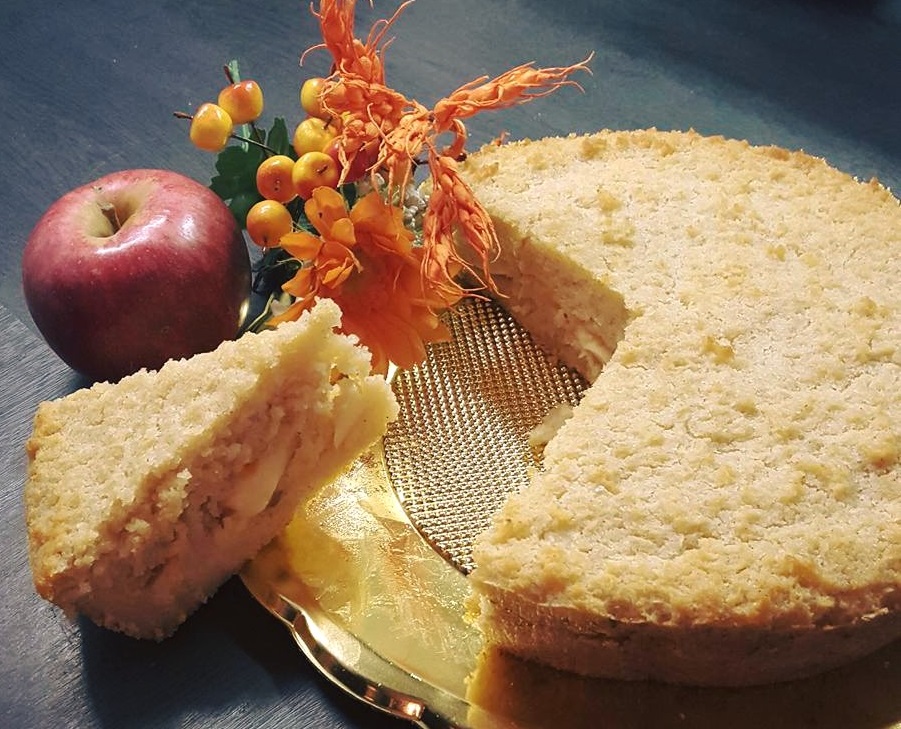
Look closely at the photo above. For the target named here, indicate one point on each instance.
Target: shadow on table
(230, 664)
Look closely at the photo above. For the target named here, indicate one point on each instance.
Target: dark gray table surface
(89, 87)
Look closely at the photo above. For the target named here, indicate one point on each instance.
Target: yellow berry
(211, 127)
(310, 97)
(313, 135)
(312, 170)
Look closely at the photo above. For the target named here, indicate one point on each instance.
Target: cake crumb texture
(733, 470)
(144, 495)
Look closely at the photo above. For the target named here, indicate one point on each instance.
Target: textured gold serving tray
(369, 577)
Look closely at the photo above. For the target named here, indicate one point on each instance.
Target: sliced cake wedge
(143, 496)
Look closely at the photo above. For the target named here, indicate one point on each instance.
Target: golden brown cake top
(737, 459)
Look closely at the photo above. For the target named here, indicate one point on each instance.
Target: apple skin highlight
(134, 269)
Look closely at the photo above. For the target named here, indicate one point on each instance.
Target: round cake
(724, 506)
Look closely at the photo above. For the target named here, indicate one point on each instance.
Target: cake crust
(730, 479)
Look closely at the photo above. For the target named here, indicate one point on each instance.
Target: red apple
(136, 268)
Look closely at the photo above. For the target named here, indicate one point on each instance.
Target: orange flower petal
(337, 274)
(301, 245)
(368, 207)
(302, 283)
(324, 209)
(380, 226)
(343, 232)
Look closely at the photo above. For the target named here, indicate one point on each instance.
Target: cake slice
(144, 496)
(724, 505)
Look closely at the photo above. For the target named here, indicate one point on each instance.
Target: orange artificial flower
(402, 129)
(390, 288)
(330, 253)
(352, 56)
(366, 262)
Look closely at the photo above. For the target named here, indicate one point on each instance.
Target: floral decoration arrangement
(337, 208)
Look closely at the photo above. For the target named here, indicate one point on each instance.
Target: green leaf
(279, 140)
(237, 168)
(234, 161)
(241, 203)
(233, 69)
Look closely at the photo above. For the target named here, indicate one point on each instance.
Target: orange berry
(312, 170)
(243, 100)
(267, 222)
(211, 127)
(274, 178)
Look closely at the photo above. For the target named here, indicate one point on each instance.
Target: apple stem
(108, 209)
